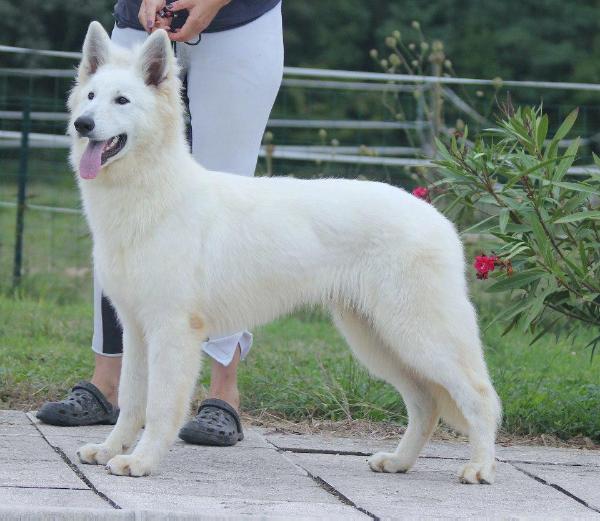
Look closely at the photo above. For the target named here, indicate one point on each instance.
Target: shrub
(514, 181)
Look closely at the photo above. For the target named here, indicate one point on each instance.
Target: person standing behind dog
(234, 67)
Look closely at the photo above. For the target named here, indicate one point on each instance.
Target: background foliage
(513, 180)
(543, 39)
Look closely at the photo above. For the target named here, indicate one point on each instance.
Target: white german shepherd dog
(185, 253)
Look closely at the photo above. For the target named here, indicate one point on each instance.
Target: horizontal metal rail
(413, 78)
(37, 116)
(342, 149)
(40, 52)
(334, 123)
(51, 209)
(345, 158)
(44, 73)
(350, 85)
(352, 75)
(35, 136)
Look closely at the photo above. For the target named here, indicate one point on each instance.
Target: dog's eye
(91, 95)
(122, 100)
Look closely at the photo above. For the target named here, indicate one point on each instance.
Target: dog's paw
(477, 473)
(131, 465)
(96, 454)
(388, 462)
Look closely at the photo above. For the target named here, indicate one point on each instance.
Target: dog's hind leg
(132, 399)
(418, 394)
(174, 363)
(446, 351)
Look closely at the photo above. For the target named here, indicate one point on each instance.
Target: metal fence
(324, 123)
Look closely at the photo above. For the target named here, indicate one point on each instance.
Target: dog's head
(122, 100)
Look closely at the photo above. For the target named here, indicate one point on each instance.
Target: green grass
(300, 368)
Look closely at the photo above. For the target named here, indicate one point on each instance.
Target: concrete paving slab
(16, 423)
(37, 474)
(431, 490)
(434, 449)
(582, 481)
(552, 455)
(26, 448)
(13, 417)
(47, 497)
(65, 514)
(58, 514)
(240, 508)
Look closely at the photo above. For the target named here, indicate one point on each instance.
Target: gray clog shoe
(86, 405)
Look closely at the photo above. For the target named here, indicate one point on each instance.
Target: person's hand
(201, 14)
(148, 11)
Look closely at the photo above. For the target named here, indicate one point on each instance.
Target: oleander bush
(513, 182)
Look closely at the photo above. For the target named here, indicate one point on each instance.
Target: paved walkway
(284, 476)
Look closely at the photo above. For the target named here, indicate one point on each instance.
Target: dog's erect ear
(156, 58)
(96, 50)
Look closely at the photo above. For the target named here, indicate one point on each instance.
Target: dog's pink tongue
(91, 160)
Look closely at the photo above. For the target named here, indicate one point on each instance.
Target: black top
(234, 14)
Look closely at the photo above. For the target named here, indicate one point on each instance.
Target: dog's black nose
(84, 125)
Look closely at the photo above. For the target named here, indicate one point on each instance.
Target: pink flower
(421, 192)
(484, 264)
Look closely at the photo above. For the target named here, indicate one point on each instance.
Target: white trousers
(232, 81)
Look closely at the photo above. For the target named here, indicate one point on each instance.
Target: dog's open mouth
(113, 146)
(97, 153)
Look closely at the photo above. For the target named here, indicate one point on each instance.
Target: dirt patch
(385, 431)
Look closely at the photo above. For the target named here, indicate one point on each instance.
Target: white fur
(185, 253)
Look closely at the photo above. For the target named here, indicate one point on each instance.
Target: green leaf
(566, 161)
(510, 312)
(543, 243)
(566, 126)
(479, 226)
(517, 281)
(576, 187)
(562, 131)
(579, 216)
(535, 309)
(519, 249)
(530, 171)
(542, 131)
(503, 219)
(443, 151)
(545, 330)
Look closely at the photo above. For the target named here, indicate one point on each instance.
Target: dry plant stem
(572, 315)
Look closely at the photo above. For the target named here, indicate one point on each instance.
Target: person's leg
(106, 376)
(233, 80)
(223, 382)
(107, 344)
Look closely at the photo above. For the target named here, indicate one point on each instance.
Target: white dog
(185, 253)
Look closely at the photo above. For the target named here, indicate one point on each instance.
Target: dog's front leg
(133, 387)
(174, 363)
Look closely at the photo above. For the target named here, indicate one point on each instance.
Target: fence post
(22, 192)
